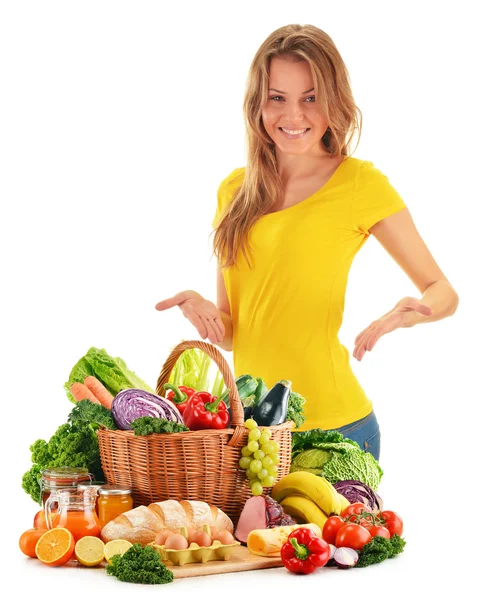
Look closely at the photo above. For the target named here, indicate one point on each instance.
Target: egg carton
(196, 553)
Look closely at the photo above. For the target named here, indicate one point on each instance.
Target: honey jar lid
(110, 489)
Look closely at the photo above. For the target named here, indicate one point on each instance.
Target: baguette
(141, 524)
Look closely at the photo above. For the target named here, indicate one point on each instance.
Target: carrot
(81, 392)
(98, 389)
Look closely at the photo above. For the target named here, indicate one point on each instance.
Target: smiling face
(291, 104)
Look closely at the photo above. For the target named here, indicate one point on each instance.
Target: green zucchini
(246, 386)
(261, 390)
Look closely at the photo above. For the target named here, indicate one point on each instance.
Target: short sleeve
(224, 194)
(374, 198)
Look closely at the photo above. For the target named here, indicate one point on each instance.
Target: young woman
(287, 228)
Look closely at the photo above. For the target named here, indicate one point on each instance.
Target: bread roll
(141, 524)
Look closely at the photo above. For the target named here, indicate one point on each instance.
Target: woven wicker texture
(192, 465)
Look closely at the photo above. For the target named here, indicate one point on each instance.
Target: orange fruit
(55, 547)
(28, 541)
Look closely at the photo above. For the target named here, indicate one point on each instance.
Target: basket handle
(234, 400)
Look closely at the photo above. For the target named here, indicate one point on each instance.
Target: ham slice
(260, 512)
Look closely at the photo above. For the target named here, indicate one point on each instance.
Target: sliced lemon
(116, 547)
(90, 551)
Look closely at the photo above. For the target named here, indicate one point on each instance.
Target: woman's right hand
(202, 313)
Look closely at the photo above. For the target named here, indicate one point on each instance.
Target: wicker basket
(192, 465)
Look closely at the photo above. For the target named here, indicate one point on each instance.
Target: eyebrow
(274, 90)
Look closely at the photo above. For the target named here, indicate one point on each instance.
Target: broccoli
(140, 564)
(379, 549)
(74, 444)
(147, 425)
(94, 414)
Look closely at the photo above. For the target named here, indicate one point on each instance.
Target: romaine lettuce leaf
(112, 372)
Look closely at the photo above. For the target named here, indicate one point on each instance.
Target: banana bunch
(308, 498)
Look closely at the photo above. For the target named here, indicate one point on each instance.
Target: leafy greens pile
(112, 372)
(74, 444)
(331, 455)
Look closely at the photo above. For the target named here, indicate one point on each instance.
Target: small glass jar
(93, 485)
(113, 501)
(58, 478)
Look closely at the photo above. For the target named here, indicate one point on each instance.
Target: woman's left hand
(394, 319)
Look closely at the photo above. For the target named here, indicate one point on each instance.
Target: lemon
(89, 551)
(116, 547)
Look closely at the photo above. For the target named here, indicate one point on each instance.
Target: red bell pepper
(204, 411)
(179, 395)
(304, 551)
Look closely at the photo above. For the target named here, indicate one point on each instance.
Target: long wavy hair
(262, 187)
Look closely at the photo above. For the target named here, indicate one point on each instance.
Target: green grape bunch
(259, 458)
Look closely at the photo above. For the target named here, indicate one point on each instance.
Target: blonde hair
(262, 186)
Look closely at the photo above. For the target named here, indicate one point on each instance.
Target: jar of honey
(113, 501)
(58, 478)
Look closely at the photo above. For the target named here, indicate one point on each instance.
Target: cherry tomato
(393, 522)
(376, 530)
(354, 509)
(352, 536)
(330, 528)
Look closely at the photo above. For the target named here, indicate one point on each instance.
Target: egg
(176, 541)
(162, 536)
(224, 537)
(201, 538)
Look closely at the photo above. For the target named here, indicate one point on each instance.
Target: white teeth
(293, 132)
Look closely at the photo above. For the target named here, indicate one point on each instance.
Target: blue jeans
(365, 432)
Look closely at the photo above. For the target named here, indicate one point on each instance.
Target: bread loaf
(141, 524)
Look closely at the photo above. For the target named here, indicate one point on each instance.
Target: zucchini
(261, 390)
(246, 386)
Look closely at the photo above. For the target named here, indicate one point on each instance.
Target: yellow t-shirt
(287, 310)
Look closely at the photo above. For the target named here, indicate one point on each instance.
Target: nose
(294, 112)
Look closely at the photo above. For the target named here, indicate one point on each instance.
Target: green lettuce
(331, 455)
(112, 372)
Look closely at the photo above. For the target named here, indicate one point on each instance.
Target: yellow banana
(304, 510)
(315, 487)
(344, 502)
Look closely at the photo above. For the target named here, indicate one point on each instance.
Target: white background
(118, 121)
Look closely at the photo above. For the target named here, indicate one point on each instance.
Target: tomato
(352, 536)
(330, 528)
(354, 509)
(393, 522)
(376, 530)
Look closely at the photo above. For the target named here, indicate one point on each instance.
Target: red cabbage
(131, 404)
(357, 491)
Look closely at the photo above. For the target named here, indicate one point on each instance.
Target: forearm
(226, 343)
(441, 298)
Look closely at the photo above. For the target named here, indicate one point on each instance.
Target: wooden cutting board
(240, 560)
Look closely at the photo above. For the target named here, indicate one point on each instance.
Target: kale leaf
(148, 425)
(379, 549)
(140, 564)
(74, 444)
(295, 409)
(94, 414)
